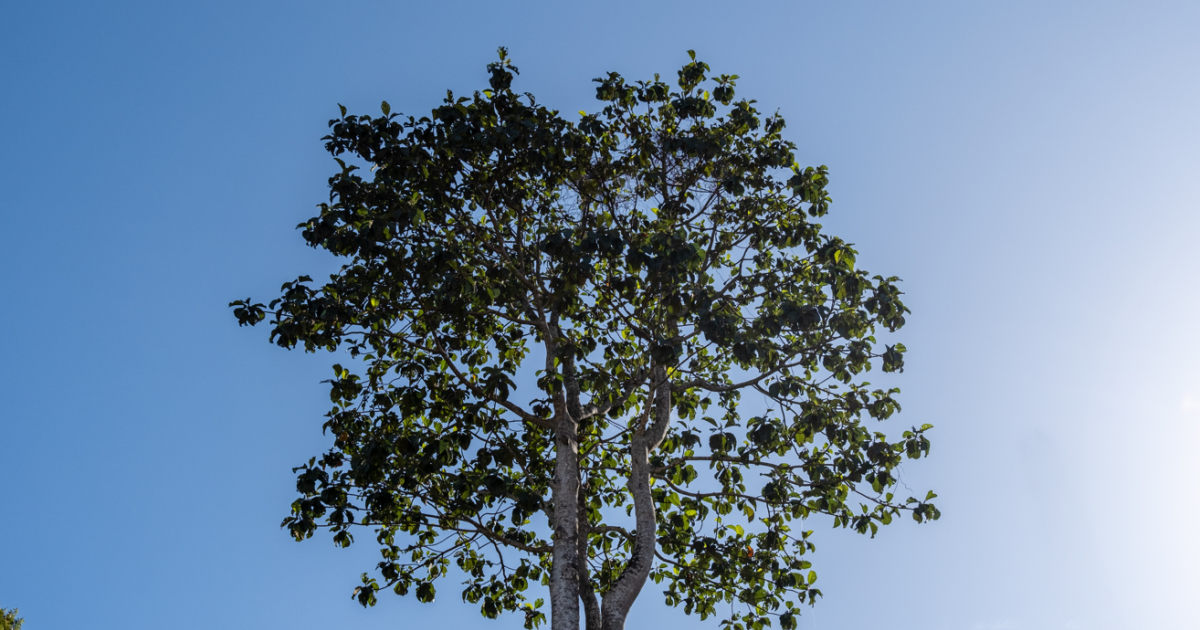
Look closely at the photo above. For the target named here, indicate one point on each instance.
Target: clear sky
(1029, 169)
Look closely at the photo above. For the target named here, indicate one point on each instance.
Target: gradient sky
(1029, 170)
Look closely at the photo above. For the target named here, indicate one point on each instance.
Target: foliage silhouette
(550, 327)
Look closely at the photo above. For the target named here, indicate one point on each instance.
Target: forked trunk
(619, 599)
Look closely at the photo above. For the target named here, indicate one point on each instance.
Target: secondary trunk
(587, 592)
(619, 599)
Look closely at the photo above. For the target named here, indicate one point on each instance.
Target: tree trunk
(621, 596)
(564, 570)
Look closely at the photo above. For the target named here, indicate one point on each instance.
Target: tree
(9, 619)
(550, 327)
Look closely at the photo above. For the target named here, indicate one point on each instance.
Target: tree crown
(517, 283)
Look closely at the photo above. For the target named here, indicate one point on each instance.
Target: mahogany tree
(549, 328)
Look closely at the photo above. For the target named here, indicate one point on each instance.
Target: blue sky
(1029, 169)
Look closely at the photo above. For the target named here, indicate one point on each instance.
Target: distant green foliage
(9, 619)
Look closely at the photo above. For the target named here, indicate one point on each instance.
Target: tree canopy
(592, 353)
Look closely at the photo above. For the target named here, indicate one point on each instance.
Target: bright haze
(1029, 170)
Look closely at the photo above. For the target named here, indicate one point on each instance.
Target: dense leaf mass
(552, 327)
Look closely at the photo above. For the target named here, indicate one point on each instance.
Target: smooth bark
(619, 599)
(568, 545)
(564, 571)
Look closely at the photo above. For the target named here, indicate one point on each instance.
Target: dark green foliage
(506, 267)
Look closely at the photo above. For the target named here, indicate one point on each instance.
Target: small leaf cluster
(9, 619)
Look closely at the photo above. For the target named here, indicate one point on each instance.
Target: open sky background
(1030, 169)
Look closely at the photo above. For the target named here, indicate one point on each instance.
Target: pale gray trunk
(621, 596)
(565, 564)
(587, 594)
(564, 571)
